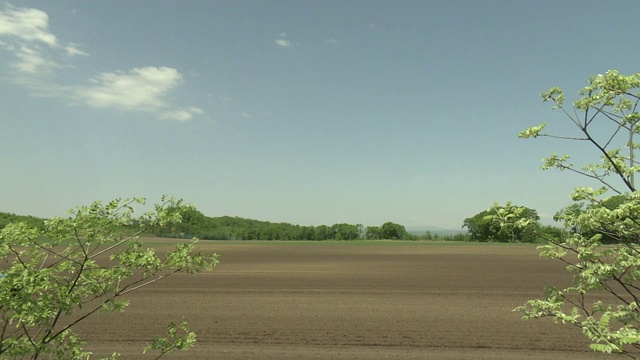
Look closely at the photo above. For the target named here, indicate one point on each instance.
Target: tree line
(196, 224)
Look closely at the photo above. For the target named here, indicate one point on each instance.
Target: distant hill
(8, 218)
(435, 230)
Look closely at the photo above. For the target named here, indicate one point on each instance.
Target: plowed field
(345, 301)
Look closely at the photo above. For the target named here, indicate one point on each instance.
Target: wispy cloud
(27, 31)
(30, 25)
(140, 87)
(39, 54)
(282, 41)
(34, 62)
(181, 115)
(72, 50)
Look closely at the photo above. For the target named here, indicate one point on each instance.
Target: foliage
(345, 231)
(372, 232)
(487, 225)
(196, 224)
(8, 218)
(604, 298)
(393, 231)
(611, 203)
(61, 274)
(388, 231)
(177, 338)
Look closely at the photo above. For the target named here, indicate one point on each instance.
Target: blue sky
(308, 112)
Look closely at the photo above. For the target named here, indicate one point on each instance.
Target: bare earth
(318, 301)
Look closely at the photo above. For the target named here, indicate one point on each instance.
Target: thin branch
(25, 331)
(609, 115)
(128, 238)
(163, 353)
(110, 298)
(608, 288)
(80, 243)
(74, 283)
(563, 137)
(2, 336)
(575, 121)
(56, 254)
(612, 136)
(597, 177)
(583, 306)
(127, 288)
(632, 95)
(618, 171)
(624, 286)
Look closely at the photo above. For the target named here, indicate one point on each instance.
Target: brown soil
(317, 301)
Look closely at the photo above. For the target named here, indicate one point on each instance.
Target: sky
(306, 112)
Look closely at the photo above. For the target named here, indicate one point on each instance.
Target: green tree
(605, 117)
(392, 231)
(550, 232)
(344, 231)
(482, 227)
(485, 227)
(372, 232)
(322, 232)
(56, 276)
(308, 233)
(577, 208)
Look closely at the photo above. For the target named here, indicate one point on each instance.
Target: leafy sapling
(61, 275)
(601, 246)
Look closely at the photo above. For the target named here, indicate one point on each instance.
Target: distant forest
(196, 224)
(8, 218)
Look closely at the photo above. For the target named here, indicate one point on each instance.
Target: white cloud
(282, 41)
(245, 115)
(181, 115)
(38, 53)
(27, 25)
(33, 62)
(25, 33)
(195, 110)
(72, 50)
(141, 88)
(31, 26)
